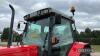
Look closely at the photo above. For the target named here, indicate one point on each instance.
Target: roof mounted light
(72, 10)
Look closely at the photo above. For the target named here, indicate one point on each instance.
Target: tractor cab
(48, 29)
(47, 32)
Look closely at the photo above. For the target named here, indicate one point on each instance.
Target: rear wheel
(88, 50)
(85, 54)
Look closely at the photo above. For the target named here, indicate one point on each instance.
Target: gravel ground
(96, 54)
(5, 43)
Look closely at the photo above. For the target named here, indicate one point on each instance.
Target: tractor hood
(26, 50)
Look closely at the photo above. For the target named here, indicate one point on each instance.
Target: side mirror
(20, 25)
(74, 27)
(58, 19)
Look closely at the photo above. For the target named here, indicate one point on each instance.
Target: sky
(87, 11)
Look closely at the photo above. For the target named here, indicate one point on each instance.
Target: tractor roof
(44, 13)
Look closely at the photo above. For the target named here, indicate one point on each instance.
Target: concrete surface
(5, 43)
(96, 54)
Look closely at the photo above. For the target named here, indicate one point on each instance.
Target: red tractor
(47, 32)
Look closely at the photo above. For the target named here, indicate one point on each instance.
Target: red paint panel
(74, 50)
(31, 50)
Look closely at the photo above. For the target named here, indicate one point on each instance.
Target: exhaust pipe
(11, 27)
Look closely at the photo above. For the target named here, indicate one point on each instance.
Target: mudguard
(26, 50)
(74, 51)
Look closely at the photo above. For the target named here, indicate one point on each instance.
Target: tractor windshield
(63, 33)
(37, 32)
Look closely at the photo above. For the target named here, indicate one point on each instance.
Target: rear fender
(74, 51)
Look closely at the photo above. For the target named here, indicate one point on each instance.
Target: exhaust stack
(11, 27)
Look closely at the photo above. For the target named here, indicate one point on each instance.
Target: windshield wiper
(44, 45)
